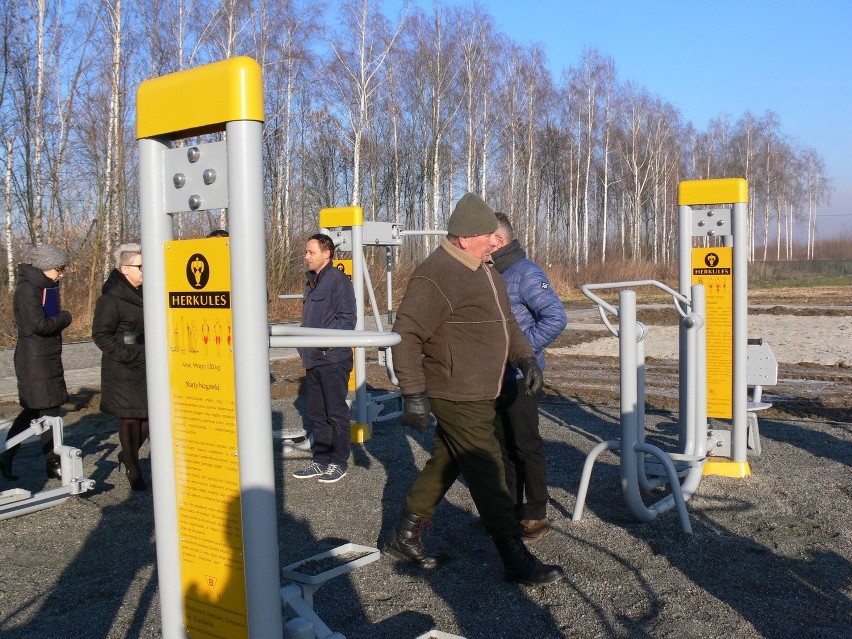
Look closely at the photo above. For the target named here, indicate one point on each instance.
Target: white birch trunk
(112, 210)
(485, 131)
(38, 117)
(10, 258)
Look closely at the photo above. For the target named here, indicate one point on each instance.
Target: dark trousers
(328, 412)
(516, 426)
(465, 444)
(22, 422)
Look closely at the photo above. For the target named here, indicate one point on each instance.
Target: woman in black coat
(118, 330)
(38, 352)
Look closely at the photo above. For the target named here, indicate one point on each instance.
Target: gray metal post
(699, 307)
(389, 276)
(157, 229)
(739, 224)
(361, 417)
(629, 403)
(251, 365)
(684, 283)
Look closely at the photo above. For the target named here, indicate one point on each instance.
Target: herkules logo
(197, 275)
(712, 261)
(197, 271)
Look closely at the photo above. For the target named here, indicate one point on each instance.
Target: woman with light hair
(118, 329)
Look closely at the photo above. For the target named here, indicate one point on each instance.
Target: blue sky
(712, 58)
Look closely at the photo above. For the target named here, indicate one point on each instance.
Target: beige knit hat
(472, 217)
(48, 256)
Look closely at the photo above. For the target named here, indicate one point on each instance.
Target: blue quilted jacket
(535, 305)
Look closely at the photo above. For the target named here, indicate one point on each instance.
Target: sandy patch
(794, 339)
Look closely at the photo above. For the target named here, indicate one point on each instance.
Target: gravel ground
(770, 554)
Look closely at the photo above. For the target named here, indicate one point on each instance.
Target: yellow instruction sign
(204, 431)
(713, 267)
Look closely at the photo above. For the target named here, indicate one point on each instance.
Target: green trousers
(465, 444)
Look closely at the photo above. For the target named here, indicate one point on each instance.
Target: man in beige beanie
(458, 332)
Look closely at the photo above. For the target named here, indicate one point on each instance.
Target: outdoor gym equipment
(716, 211)
(209, 401)
(645, 466)
(18, 501)
(717, 361)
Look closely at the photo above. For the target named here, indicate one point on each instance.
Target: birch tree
(817, 190)
(356, 74)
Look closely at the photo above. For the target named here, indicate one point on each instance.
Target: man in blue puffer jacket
(542, 318)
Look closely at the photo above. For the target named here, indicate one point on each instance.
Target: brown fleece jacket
(457, 329)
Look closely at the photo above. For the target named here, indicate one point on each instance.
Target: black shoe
(6, 458)
(134, 478)
(53, 466)
(521, 565)
(406, 545)
(136, 481)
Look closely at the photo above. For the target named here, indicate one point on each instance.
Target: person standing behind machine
(457, 333)
(328, 302)
(542, 318)
(38, 352)
(118, 329)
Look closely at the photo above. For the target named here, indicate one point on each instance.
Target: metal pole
(389, 275)
(629, 406)
(699, 307)
(157, 229)
(361, 417)
(251, 365)
(684, 283)
(739, 224)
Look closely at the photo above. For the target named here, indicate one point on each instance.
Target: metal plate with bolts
(196, 177)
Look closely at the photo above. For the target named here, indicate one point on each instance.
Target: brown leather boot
(406, 545)
(534, 529)
(522, 567)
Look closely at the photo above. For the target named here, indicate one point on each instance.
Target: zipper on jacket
(505, 328)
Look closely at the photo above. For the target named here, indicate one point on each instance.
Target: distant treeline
(400, 115)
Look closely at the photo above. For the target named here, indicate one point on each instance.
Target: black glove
(415, 411)
(533, 377)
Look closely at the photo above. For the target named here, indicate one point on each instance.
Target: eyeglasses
(139, 266)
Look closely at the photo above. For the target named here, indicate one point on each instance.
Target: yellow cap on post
(722, 191)
(341, 216)
(200, 100)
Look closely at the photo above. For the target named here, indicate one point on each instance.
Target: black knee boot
(406, 545)
(522, 566)
(6, 458)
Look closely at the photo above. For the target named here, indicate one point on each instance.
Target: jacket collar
(312, 277)
(465, 258)
(507, 255)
